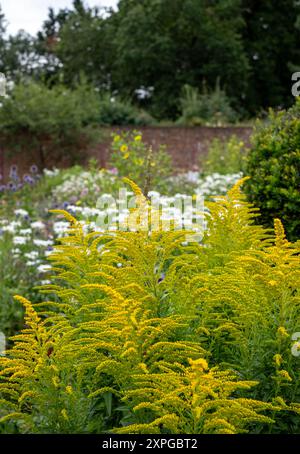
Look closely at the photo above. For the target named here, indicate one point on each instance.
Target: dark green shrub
(54, 122)
(274, 167)
(206, 108)
(115, 111)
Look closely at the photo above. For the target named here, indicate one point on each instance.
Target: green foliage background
(274, 167)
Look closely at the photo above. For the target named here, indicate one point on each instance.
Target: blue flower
(13, 173)
(33, 169)
(28, 179)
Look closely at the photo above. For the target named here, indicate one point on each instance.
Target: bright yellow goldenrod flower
(55, 381)
(278, 359)
(273, 283)
(199, 364)
(282, 332)
(65, 414)
(285, 375)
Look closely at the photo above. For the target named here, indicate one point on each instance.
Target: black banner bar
(138, 443)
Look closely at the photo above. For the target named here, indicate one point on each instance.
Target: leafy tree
(156, 47)
(154, 44)
(21, 58)
(167, 44)
(271, 41)
(72, 43)
(47, 40)
(86, 46)
(2, 40)
(18, 55)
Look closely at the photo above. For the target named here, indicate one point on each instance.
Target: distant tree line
(149, 51)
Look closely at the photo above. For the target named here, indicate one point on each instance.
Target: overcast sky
(30, 14)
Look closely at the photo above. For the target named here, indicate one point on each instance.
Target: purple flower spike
(33, 169)
(13, 172)
(28, 179)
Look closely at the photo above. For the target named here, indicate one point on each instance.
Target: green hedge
(274, 167)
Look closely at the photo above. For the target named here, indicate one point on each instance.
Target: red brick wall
(185, 145)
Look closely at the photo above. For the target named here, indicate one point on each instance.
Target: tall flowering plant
(135, 159)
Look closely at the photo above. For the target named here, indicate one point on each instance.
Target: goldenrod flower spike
(67, 215)
(30, 312)
(137, 191)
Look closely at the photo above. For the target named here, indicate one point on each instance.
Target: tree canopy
(147, 51)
